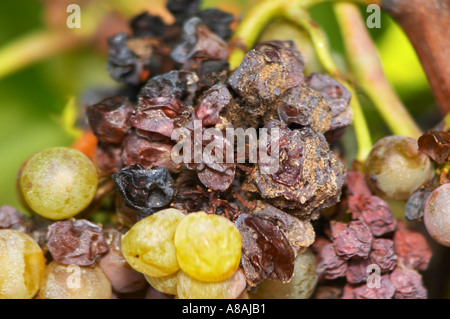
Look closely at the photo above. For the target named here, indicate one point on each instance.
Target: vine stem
(34, 47)
(366, 67)
(302, 18)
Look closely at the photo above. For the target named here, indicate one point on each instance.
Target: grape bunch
(372, 255)
(128, 221)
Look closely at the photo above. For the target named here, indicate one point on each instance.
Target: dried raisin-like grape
(385, 291)
(309, 176)
(352, 239)
(200, 43)
(76, 242)
(144, 190)
(412, 249)
(374, 212)
(408, 284)
(108, 119)
(266, 253)
(383, 255)
(299, 233)
(331, 265)
(436, 144)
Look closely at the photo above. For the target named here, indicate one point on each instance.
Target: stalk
(368, 72)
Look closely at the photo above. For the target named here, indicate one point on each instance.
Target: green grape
(395, 168)
(166, 284)
(22, 265)
(208, 247)
(230, 288)
(436, 214)
(149, 245)
(301, 286)
(58, 183)
(74, 282)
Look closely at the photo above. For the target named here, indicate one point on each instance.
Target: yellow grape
(74, 282)
(58, 183)
(191, 288)
(149, 245)
(208, 247)
(166, 284)
(22, 265)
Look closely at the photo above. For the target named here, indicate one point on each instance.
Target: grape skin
(166, 284)
(74, 282)
(58, 183)
(190, 288)
(149, 245)
(437, 214)
(208, 246)
(301, 286)
(22, 265)
(395, 168)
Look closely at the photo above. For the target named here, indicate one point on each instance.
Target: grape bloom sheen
(22, 265)
(148, 246)
(437, 214)
(395, 168)
(58, 183)
(208, 247)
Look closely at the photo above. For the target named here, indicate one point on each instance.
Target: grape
(208, 247)
(437, 214)
(190, 288)
(395, 168)
(166, 284)
(22, 265)
(124, 279)
(58, 183)
(301, 286)
(74, 282)
(148, 246)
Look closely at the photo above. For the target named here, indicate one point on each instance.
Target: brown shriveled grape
(22, 265)
(74, 282)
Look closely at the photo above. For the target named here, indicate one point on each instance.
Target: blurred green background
(32, 98)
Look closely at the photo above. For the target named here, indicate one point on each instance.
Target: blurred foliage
(33, 98)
